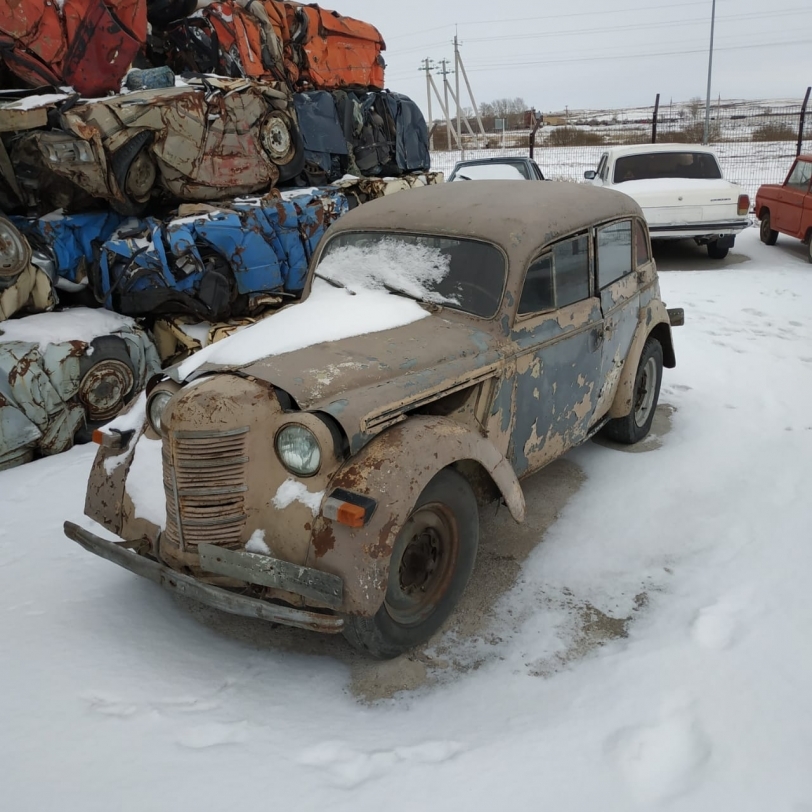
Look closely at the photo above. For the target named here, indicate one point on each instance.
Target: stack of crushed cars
(169, 166)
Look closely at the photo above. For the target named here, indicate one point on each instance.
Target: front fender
(393, 469)
(653, 320)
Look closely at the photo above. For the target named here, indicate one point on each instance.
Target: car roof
(507, 159)
(518, 217)
(641, 149)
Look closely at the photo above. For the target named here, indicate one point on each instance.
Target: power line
(754, 46)
(556, 16)
(638, 26)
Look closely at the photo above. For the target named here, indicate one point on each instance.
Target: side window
(641, 244)
(614, 249)
(538, 293)
(800, 175)
(557, 279)
(571, 270)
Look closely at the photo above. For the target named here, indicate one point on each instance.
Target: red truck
(787, 208)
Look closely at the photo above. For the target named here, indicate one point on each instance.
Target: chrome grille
(204, 481)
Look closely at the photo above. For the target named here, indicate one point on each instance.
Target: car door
(619, 248)
(791, 198)
(557, 349)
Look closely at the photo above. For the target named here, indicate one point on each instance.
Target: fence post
(654, 120)
(533, 136)
(802, 122)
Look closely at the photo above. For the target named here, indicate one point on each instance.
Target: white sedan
(681, 191)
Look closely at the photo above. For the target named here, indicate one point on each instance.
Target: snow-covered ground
(653, 654)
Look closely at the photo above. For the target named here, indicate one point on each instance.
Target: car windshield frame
(626, 167)
(334, 240)
(520, 166)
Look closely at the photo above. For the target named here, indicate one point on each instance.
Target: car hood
(366, 381)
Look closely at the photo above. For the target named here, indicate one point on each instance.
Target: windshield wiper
(335, 283)
(432, 307)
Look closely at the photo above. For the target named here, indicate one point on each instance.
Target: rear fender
(393, 470)
(654, 322)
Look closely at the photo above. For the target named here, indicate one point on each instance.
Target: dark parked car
(508, 168)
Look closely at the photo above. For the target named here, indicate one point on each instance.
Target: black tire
(715, 251)
(637, 424)
(127, 161)
(108, 380)
(765, 231)
(809, 248)
(438, 545)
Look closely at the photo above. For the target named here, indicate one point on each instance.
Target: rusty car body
(787, 208)
(209, 139)
(547, 327)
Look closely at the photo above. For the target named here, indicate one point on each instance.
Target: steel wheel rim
(140, 177)
(277, 140)
(644, 396)
(765, 228)
(104, 387)
(422, 565)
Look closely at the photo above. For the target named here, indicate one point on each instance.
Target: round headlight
(298, 449)
(155, 409)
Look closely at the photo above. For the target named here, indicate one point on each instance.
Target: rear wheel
(135, 174)
(765, 231)
(716, 251)
(432, 560)
(637, 424)
(809, 248)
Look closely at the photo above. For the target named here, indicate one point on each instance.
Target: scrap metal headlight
(155, 409)
(298, 449)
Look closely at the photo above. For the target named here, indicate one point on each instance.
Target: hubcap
(140, 176)
(644, 397)
(765, 228)
(422, 565)
(14, 251)
(104, 388)
(276, 140)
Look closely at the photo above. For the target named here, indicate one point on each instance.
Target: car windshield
(491, 171)
(466, 275)
(654, 165)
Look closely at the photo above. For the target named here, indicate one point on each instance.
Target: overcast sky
(597, 53)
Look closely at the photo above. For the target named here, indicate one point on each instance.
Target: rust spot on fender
(323, 540)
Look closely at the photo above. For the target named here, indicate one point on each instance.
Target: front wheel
(765, 231)
(637, 424)
(716, 251)
(432, 560)
(809, 249)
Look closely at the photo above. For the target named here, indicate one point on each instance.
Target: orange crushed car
(88, 44)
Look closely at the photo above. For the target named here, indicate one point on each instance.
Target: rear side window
(641, 244)
(557, 279)
(614, 248)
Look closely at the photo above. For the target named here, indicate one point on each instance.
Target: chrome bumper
(215, 596)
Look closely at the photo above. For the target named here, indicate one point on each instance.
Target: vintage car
(788, 208)
(507, 168)
(681, 190)
(323, 468)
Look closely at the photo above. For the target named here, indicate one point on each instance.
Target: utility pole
(427, 67)
(461, 67)
(444, 73)
(457, 88)
(710, 72)
(444, 108)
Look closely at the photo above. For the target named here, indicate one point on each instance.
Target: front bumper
(216, 597)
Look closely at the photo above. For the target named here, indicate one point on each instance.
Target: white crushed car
(681, 191)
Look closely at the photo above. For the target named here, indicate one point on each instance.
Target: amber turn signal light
(347, 508)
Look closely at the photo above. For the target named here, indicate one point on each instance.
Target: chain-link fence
(756, 141)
